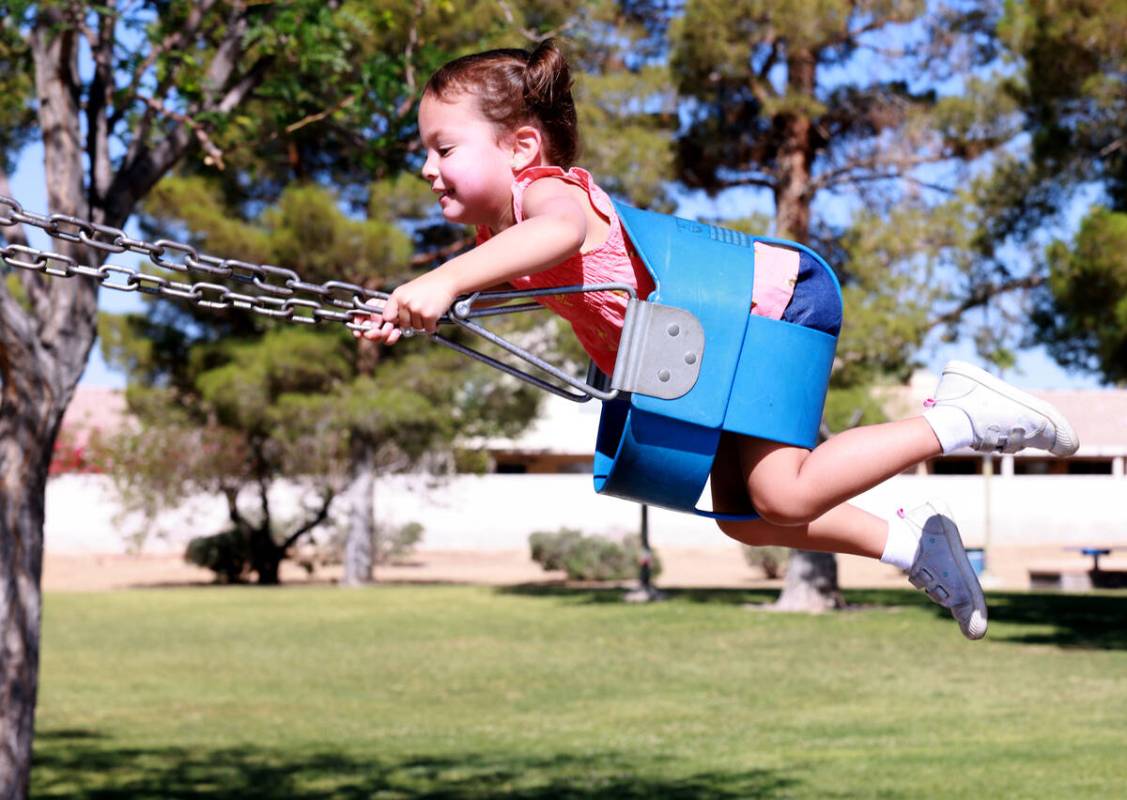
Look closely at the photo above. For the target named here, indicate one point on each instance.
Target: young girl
(500, 134)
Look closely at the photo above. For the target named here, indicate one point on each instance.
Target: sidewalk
(1008, 569)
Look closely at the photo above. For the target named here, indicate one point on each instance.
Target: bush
(772, 560)
(397, 543)
(226, 554)
(590, 558)
(549, 549)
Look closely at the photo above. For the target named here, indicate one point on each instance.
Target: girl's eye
(444, 151)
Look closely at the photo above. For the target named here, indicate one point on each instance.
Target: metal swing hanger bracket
(659, 354)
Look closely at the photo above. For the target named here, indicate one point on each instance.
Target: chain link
(283, 294)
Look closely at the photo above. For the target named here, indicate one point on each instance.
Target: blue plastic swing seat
(759, 377)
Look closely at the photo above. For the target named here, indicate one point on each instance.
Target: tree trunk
(811, 583)
(266, 555)
(359, 556)
(44, 344)
(24, 456)
(796, 152)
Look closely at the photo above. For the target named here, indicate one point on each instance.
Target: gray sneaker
(1004, 418)
(942, 570)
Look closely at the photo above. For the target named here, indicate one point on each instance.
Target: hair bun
(547, 78)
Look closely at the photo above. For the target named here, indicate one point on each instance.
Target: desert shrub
(396, 543)
(590, 558)
(225, 553)
(772, 560)
(390, 543)
(549, 549)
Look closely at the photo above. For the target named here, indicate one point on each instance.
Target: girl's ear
(527, 147)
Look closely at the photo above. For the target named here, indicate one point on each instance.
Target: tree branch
(984, 294)
(214, 154)
(869, 167)
(408, 65)
(196, 14)
(293, 127)
(146, 165)
(222, 64)
(237, 519)
(326, 501)
(97, 123)
(34, 285)
(763, 182)
(420, 259)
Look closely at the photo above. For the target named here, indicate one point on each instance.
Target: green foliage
(772, 560)
(17, 88)
(848, 407)
(227, 554)
(1074, 64)
(590, 558)
(394, 543)
(549, 549)
(1083, 316)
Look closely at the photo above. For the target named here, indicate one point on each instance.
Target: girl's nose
(430, 170)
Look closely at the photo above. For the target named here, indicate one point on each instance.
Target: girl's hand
(377, 330)
(419, 303)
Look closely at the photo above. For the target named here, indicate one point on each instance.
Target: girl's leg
(795, 486)
(842, 529)
(926, 543)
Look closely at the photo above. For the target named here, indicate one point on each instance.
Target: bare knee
(787, 507)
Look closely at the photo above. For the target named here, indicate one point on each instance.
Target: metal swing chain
(286, 296)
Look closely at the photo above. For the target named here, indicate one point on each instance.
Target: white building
(542, 481)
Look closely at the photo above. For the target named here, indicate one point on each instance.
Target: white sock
(902, 543)
(952, 427)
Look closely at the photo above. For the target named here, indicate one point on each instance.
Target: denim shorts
(815, 302)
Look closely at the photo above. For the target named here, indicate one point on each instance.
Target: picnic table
(1071, 578)
(1095, 553)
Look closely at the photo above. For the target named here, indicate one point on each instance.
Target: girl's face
(468, 165)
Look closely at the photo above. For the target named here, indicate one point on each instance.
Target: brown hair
(516, 87)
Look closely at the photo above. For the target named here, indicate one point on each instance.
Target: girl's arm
(554, 229)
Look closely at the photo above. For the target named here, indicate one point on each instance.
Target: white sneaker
(1004, 419)
(942, 570)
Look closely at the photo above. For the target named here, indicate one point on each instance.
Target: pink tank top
(597, 317)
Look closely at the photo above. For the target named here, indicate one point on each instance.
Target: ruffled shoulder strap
(576, 175)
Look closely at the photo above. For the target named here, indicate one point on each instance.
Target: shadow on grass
(1093, 621)
(69, 764)
(1096, 621)
(590, 595)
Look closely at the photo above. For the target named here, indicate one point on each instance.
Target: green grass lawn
(454, 693)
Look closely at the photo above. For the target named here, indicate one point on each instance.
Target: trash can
(977, 558)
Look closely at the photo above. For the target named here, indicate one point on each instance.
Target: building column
(1117, 464)
(1007, 465)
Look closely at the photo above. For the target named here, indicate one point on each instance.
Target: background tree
(808, 102)
(158, 83)
(1071, 89)
(311, 406)
(251, 94)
